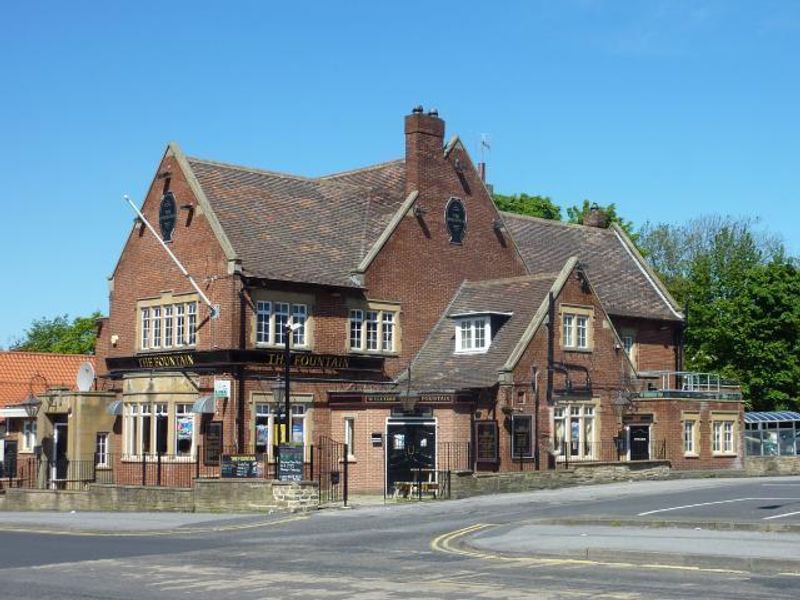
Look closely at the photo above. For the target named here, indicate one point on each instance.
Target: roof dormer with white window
(474, 331)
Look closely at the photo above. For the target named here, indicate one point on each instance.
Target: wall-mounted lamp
(419, 211)
(498, 225)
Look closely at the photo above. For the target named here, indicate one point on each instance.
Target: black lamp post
(31, 405)
(280, 391)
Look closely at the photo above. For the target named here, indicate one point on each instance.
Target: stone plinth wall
(772, 465)
(464, 484)
(208, 495)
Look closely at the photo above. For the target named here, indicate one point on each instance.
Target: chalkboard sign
(486, 441)
(213, 445)
(239, 466)
(290, 463)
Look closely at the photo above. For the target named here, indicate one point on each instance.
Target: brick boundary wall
(208, 495)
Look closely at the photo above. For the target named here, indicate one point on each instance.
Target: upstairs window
(473, 335)
(576, 331)
(167, 324)
(272, 318)
(373, 330)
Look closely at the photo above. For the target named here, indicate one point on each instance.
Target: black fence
(616, 450)
(455, 456)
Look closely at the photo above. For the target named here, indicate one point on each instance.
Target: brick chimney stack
(596, 217)
(424, 144)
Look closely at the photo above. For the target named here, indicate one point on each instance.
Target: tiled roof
(19, 371)
(291, 228)
(615, 273)
(438, 367)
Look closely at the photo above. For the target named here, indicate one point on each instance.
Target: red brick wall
(418, 266)
(655, 342)
(144, 270)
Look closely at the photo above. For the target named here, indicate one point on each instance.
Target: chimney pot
(433, 112)
(417, 110)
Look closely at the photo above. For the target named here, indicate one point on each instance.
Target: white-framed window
(168, 325)
(152, 428)
(156, 327)
(350, 436)
(28, 435)
(101, 450)
(574, 427)
(723, 437)
(272, 318)
(575, 329)
(184, 438)
(689, 441)
(372, 330)
(268, 425)
(473, 334)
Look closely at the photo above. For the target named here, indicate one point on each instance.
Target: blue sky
(669, 109)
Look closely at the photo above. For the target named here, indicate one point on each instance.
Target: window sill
(467, 352)
(156, 351)
(579, 350)
(265, 346)
(690, 455)
(373, 353)
(350, 460)
(723, 454)
(132, 458)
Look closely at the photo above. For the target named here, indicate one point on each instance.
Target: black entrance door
(61, 451)
(10, 460)
(640, 442)
(410, 446)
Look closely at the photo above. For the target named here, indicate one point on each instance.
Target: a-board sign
(290, 463)
(239, 466)
(213, 444)
(486, 441)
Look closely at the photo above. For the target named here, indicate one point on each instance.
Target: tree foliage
(533, 206)
(61, 335)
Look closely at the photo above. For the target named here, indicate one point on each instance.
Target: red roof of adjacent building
(22, 371)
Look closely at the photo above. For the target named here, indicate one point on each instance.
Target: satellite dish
(85, 378)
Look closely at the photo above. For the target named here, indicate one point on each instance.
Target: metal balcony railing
(687, 384)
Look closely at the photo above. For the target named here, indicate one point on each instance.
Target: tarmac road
(508, 546)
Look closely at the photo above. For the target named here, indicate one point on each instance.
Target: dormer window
(473, 334)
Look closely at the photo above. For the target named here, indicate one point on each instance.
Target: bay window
(156, 428)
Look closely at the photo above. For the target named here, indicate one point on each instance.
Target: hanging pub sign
(167, 214)
(486, 441)
(455, 215)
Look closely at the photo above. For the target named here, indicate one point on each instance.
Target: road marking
(797, 512)
(444, 543)
(154, 533)
(660, 510)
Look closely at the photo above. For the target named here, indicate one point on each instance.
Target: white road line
(797, 512)
(652, 512)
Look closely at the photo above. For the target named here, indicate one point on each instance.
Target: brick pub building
(430, 330)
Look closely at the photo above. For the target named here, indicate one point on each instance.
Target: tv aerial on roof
(85, 377)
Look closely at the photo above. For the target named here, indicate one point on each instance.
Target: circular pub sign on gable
(455, 216)
(167, 215)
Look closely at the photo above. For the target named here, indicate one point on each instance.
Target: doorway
(639, 437)
(60, 442)
(410, 451)
(9, 460)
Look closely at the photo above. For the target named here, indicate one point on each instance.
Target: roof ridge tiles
(253, 170)
(502, 280)
(49, 354)
(543, 221)
(376, 166)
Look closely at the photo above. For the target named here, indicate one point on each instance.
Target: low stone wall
(208, 495)
(772, 465)
(464, 484)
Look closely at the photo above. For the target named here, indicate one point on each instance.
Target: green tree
(61, 335)
(533, 206)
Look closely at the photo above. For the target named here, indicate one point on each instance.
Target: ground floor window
(101, 450)
(28, 435)
(574, 427)
(268, 426)
(522, 436)
(690, 445)
(722, 436)
(150, 429)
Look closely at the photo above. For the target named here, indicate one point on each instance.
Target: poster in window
(262, 435)
(486, 441)
(399, 441)
(185, 425)
(297, 433)
(522, 436)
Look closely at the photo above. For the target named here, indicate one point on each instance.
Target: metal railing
(687, 384)
(454, 456)
(424, 484)
(606, 451)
